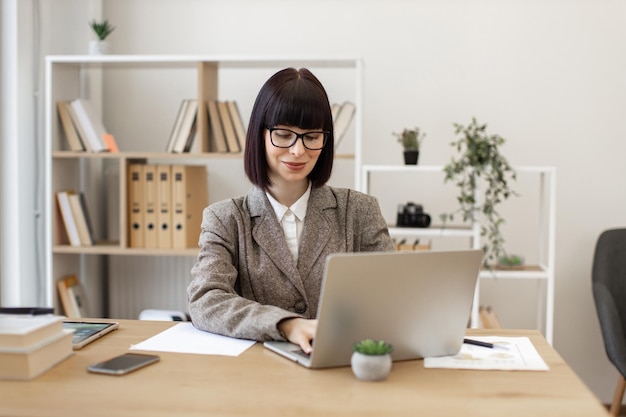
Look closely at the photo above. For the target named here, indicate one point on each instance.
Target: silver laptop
(420, 302)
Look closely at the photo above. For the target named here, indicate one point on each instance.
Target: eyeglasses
(285, 138)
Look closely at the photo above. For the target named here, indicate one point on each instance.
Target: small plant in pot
(102, 29)
(411, 140)
(371, 360)
(483, 176)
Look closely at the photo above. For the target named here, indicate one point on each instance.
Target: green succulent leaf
(373, 347)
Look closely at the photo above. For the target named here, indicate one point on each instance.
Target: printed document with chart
(510, 354)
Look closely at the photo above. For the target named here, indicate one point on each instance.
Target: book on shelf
(149, 207)
(228, 128)
(342, 121)
(110, 142)
(135, 205)
(72, 296)
(89, 125)
(334, 110)
(69, 221)
(83, 205)
(71, 134)
(180, 116)
(30, 345)
(83, 225)
(235, 116)
(189, 198)
(187, 131)
(164, 203)
(217, 140)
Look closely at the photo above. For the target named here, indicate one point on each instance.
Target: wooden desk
(261, 383)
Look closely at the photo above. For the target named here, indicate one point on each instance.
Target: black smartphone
(123, 364)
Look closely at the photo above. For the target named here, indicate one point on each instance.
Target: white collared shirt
(291, 219)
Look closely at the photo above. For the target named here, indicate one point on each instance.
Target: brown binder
(149, 208)
(190, 197)
(135, 216)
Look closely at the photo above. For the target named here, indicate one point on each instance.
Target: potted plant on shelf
(102, 29)
(371, 360)
(411, 140)
(483, 177)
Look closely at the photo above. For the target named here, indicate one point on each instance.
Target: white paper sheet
(184, 338)
(519, 355)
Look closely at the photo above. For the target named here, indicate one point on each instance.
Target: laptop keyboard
(302, 353)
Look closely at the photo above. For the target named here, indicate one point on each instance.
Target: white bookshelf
(94, 77)
(542, 272)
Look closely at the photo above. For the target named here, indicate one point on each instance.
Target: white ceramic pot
(370, 367)
(98, 47)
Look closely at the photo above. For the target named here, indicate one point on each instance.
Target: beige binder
(150, 239)
(190, 197)
(164, 202)
(135, 216)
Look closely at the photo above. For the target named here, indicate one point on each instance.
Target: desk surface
(260, 383)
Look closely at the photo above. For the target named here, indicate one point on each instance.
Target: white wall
(548, 75)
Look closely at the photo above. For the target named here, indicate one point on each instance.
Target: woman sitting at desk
(261, 260)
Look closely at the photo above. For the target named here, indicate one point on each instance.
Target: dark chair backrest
(609, 293)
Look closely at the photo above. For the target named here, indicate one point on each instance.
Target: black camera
(412, 215)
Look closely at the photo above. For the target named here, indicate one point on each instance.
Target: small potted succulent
(102, 29)
(371, 360)
(411, 140)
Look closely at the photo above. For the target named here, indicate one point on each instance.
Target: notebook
(420, 302)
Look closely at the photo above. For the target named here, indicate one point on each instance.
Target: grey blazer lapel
(317, 230)
(268, 234)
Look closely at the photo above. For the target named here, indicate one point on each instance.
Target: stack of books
(30, 345)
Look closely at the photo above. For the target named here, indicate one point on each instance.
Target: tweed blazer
(245, 279)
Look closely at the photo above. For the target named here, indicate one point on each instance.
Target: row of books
(75, 216)
(226, 129)
(85, 130)
(30, 345)
(165, 204)
(83, 127)
(227, 132)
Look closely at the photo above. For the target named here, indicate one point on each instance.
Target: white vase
(98, 47)
(370, 367)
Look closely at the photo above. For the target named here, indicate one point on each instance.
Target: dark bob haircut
(294, 98)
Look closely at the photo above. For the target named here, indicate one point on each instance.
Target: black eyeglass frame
(298, 136)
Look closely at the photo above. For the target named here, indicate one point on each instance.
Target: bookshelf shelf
(106, 80)
(159, 155)
(114, 248)
(545, 239)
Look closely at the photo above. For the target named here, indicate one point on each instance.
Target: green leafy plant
(481, 167)
(102, 29)
(373, 347)
(510, 261)
(411, 139)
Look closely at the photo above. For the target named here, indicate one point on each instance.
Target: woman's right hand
(299, 331)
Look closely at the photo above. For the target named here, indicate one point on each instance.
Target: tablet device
(86, 332)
